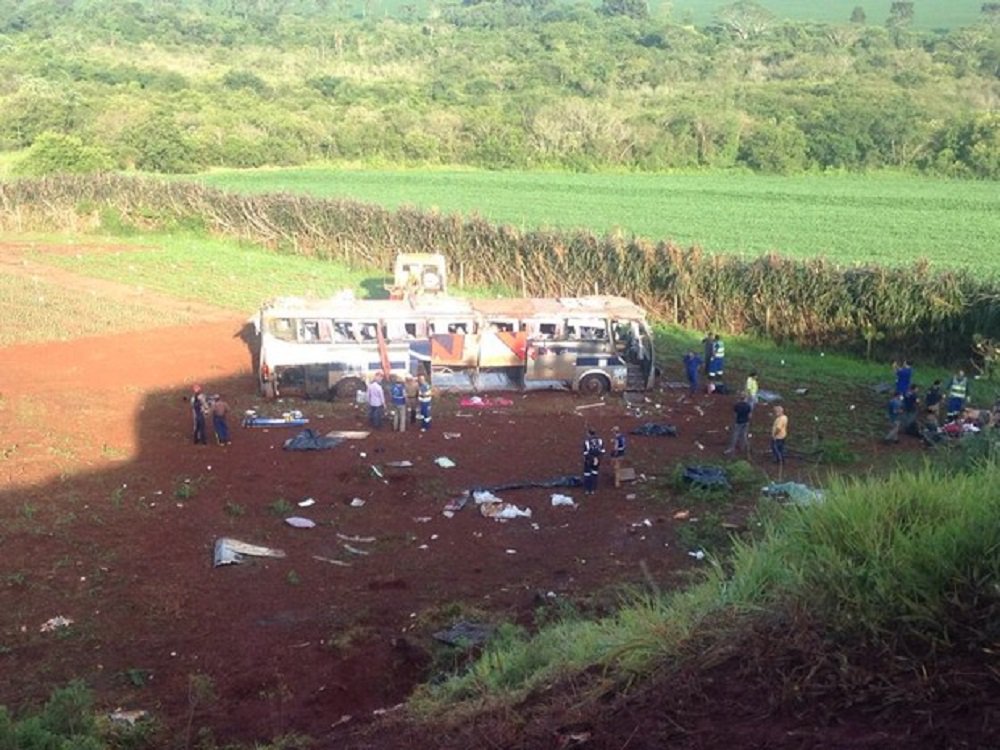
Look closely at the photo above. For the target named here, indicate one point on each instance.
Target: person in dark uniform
(425, 396)
(717, 365)
(593, 449)
(198, 408)
(691, 364)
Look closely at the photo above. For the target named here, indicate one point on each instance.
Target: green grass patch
(33, 310)
(225, 273)
(888, 219)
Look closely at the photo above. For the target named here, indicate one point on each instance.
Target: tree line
(176, 87)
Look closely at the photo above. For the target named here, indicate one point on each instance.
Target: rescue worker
(958, 393)
(691, 364)
(707, 344)
(199, 406)
(716, 366)
(425, 394)
(910, 403)
(398, 395)
(617, 446)
(593, 449)
(220, 410)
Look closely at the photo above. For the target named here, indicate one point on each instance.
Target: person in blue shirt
(691, 364)
(904, 375)
(398, 395)
(717, 365)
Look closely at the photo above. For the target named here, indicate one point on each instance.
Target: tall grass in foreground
(914, 558)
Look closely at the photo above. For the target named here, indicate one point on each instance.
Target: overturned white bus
(328, 348)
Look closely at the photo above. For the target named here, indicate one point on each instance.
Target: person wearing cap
(198, 408)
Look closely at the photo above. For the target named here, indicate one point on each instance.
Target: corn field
(914, 311)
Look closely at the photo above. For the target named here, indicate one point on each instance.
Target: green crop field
(939, 14)
(885, 219)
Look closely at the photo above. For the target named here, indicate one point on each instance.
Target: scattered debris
(377, 471)
(661, 430)
(581, 407)
(307, 440)
(55, 623)
(631, 496)
(511, 551)
(288, 419)
(485, 496)
(768, 397)
(558, 500)
(400, 464)
(698, 554)
(342, 720)
(127, 718)
(348, 434)
(231, 551)
(357, 502)
(355, 550)
(452, 435)
(444, 462)
(356, 539)
(706, 477)
(332, 561)
(480, 402)
(384, 711)
(465, 634)
(571, 480)
(682, 515)
(457, 503)
(307, 502)
(503, 511)
(299, 522)
(794, 492)
(801, 391)
(422, 519)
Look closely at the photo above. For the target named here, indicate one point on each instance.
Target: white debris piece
(444, 462)
(558, 500)
(55, 623)
(299, 522)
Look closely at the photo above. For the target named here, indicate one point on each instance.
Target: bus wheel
(594, 385)
(345, 389)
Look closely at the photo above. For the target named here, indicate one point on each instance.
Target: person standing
(741, 427)
(911, 401)
(199, 407)
(425, 395)
(894, 409)
(376, 401)
(691, 364)
(904, 375)
(220, 411)
(707, 344)
(932, 400)
(617, 449)
(411, 399)
(751, 388)
(398, 394)
(593, 449)
(958, 393)
(779, 432)
(717, 365)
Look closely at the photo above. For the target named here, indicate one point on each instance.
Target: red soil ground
(96, 449)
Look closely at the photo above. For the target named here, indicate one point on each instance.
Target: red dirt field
(96, 454)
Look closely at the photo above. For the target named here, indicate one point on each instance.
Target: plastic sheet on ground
(307, 440)
(707, 477)
(503, 511)
(299, 522)
(794, 492)
(769, 397)
(662, 430)
(558, 500)
(444, 462)
(485, 496)
(465, 634)
(232, 551)
(564, 481)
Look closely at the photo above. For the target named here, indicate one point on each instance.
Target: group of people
(410, 398)
(743, 409)
(201, 407)
(593, 449)
(904, 408)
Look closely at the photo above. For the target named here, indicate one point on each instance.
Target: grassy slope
(886, 219)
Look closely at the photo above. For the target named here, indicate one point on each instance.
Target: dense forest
(181, 85)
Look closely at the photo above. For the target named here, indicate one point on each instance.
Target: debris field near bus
(110, 518)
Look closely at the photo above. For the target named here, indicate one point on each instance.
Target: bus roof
(520, 308)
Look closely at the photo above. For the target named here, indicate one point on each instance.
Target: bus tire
(345, 389)
(594, 385)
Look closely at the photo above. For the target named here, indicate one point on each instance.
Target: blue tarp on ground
(307, 440)
(649, 428)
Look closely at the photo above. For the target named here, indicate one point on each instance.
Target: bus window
(410, 330)
(503, 326)
(542, 330)
(282, 329)
(460, 328)
(315, 331)
(368, 331)
(590, 329)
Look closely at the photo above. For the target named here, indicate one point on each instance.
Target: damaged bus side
(333, 348)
